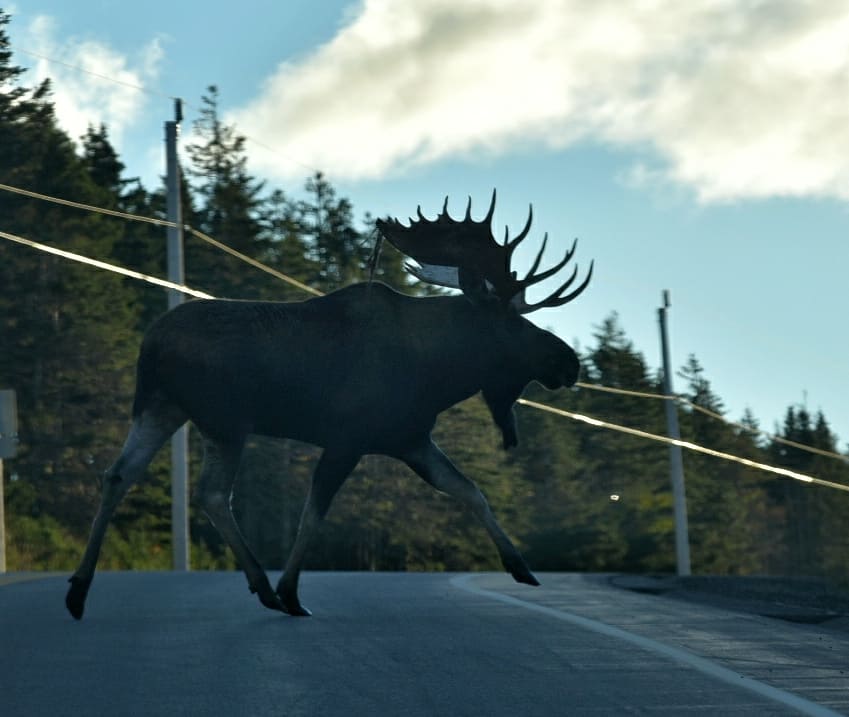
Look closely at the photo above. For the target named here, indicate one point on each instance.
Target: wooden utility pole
(180, 440)
(676, 460)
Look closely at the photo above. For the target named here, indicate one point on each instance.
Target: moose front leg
(220, 463)
(333, 468)
(436, 469)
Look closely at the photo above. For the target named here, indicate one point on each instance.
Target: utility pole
(180, 440)
(676, 460)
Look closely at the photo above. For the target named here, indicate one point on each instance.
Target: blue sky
(700, 147)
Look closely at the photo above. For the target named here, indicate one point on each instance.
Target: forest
(573, 496)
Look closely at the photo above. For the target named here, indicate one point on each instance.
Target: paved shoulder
(761, 653)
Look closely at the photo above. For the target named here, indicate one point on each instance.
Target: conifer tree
(286, 247)
(725, 500)
(815, 534)
(338, 249)
(229, 208)
(634, 470)
(68, 330)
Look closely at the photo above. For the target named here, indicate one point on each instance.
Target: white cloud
(92, 83)
(737, 98)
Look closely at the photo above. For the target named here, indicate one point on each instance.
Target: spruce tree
(68, 330)
(725, 500)
(229, 208)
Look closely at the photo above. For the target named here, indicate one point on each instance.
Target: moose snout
(563, 372)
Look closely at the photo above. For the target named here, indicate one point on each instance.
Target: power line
(157, 93)
(253, 262)
(683, 444)
(316, 292)
(86, 207)
(99, 76)
(294, 282)
(165, 223)
(105, 265)
(533, 404)
(683, 400)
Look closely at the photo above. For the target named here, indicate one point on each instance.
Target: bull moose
(362, 370)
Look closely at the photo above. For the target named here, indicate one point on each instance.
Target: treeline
(69, 335)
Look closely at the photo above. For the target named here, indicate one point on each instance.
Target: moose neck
(473, 350)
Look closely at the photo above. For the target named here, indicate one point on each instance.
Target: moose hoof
(528, 578)
(291, 605)
(75, 599)
(297, 610)
(521, 572)
(272, 602)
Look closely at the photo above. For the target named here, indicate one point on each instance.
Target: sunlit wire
(683, 444)
(165, 223)
(105, 265)
(683, 400)
(533, 404)
(316, 292)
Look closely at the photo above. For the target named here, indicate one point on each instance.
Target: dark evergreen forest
(69, 335)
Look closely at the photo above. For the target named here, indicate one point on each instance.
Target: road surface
(404, 644)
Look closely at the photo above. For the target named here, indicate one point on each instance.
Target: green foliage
(573, 496)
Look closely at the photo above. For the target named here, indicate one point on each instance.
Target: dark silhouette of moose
(362, 370)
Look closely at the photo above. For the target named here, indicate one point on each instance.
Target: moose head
(464, 254)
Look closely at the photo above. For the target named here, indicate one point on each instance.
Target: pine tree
(631, 468)
(815, 535)
(286, 247)
(229, 208)
(340, 251)
(68, 330)
(725, 500)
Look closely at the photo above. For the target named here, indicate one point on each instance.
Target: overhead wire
(166, 223)
(533, 404)
(157, 93)
(787, 473)
(105, 265)
(683, 400)
(98, 75)
(304, 287)
(316, 292)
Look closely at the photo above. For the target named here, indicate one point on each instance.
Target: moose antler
(464, 255)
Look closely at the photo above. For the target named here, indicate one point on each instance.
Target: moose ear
(472, 284)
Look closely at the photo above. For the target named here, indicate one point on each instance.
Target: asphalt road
(405, 644)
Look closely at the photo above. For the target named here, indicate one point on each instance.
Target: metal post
(676, 461)
(8, 449)
(179, 441)
(2, 524)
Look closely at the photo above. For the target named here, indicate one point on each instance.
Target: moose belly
(379, 424)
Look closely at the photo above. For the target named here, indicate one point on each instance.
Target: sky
(699, 147)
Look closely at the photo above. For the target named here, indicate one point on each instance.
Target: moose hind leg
(432, 465)
(333, 468)
(220, 463)
(149, 431)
